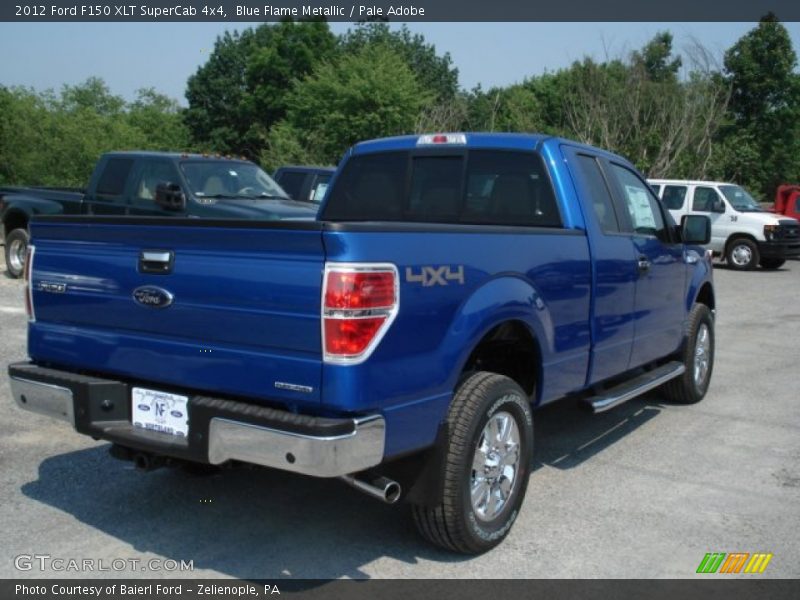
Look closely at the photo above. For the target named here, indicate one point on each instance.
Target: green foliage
(241, 91)
(49, 139)
(435, 73)
(364, 95)
(764, 108)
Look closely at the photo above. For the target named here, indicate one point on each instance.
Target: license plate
(160, 411)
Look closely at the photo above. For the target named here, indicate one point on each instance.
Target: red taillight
(28, 288)
(359, 302)
(359, 289)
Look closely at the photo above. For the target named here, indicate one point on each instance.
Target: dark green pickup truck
(154, 184)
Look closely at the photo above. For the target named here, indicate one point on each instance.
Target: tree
(240, 92)
(764, 107)
(56, 139)
(655, 57)
(436, 74)
(160, 121)
(368, 94)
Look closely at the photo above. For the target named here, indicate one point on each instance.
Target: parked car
(742, 233)
(154, 184)
(453, 283)
(787, 201)
(305, 183)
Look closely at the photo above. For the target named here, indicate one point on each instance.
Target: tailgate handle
(158, 262)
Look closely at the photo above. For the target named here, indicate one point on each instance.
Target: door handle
(158, 262)
(644, 265)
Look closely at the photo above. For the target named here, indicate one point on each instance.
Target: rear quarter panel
(542, 279)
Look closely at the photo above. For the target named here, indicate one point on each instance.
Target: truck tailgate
(244, 317)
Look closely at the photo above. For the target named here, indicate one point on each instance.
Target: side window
(601, 198)
(642, 205)
(113, 178)
(656, 187)
(674, 196)
(151, 174)
(320, 187)
(292, 183)
(509, 188)
(704, 198)
(797, 205)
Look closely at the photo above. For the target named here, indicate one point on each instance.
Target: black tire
(772, 263)
(15, 251)
(688, 388)
(455, 524)
(742, 254)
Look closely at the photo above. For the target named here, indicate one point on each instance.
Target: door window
(292, 183)
(112, 180)
(674, 196)
(598, 190)
(150, 175)
(704, 198)
(642, 205)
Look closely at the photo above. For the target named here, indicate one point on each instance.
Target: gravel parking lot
(642, 491)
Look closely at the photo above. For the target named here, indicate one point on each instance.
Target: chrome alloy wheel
(16, 255)
(702, 350)
(495, 466)
(742, 255)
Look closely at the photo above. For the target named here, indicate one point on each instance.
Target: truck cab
(742, 233)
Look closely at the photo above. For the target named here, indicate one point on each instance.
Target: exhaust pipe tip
(384, 489)
(391, 493)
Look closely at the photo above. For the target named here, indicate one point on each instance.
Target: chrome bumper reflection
(309, 455)
(44, 398)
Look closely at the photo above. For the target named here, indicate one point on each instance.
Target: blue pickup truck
(451, 284)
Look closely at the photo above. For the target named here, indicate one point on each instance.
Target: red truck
(787, 201)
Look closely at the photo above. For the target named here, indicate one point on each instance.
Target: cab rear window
(485, 187)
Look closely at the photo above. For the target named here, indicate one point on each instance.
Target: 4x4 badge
(430, 275)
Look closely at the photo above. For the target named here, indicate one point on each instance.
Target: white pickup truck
(741, 232)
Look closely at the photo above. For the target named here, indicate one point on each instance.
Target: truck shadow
(266, 524)
(567, 434)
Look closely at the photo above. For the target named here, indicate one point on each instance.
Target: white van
(741, 232)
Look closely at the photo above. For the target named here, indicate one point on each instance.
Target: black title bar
(398, 11)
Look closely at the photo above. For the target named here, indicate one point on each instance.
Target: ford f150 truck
(453, 283)
(151, 183)
(741, 232)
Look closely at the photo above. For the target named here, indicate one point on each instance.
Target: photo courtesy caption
(138, 590)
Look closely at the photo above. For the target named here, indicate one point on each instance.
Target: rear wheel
(698, 358)
(486, 467)
(742, 254)
(16, 249)
(772, 263)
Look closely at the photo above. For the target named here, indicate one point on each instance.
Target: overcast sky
(130, 56)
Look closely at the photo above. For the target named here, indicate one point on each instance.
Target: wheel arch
(15, 218)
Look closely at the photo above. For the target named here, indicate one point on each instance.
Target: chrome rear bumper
(220, 430)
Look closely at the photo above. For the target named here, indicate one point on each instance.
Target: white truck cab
(741, 232)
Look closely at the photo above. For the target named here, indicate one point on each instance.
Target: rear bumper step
(220, 430)
(635, 387)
